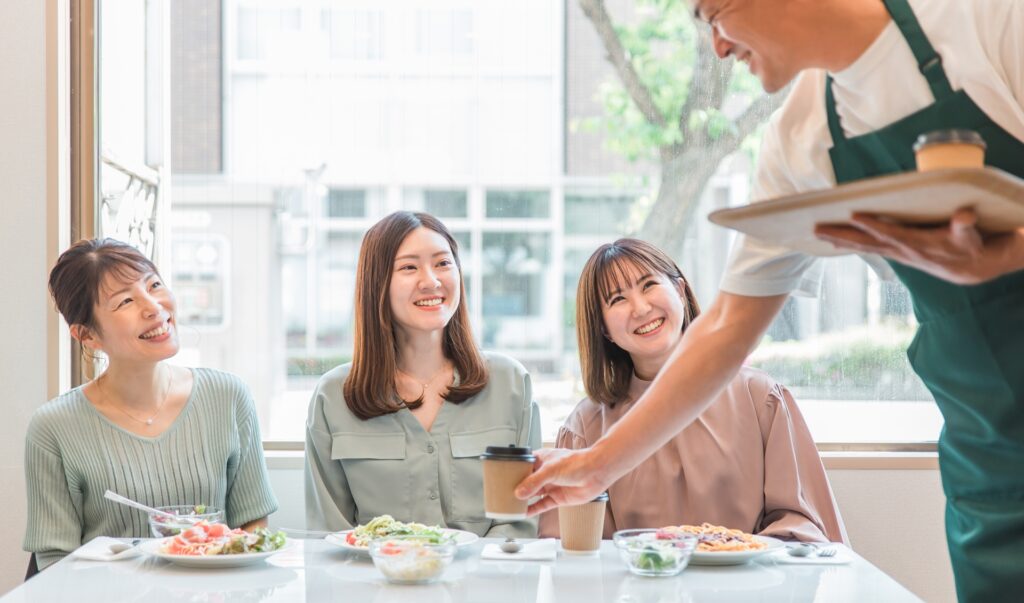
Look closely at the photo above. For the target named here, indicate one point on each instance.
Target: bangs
(618, 268)
(123, 269)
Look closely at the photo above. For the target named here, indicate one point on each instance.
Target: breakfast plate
(339, 539)
(153, 548)
(736, 557)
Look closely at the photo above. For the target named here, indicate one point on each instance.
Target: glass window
(200, 279)
(293, 301)
(346, 203)
(444, 31)
(336, 274)
(515, 270)
(308, 121)
(598, 214)
(518, 204)
(353, 34)
(445, 204)
(266, 33)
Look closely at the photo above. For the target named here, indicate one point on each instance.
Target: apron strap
(834, 128)
(928, 61)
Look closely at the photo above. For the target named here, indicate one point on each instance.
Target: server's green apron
(969, 349)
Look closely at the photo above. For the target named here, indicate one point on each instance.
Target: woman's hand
(956, 252)
(563, 477)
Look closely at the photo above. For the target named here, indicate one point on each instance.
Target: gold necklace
(159, 406)
(419, 401)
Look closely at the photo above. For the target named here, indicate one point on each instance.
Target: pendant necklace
(414, 404)
(159, 406)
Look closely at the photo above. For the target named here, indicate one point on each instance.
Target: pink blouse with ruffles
(747, 462)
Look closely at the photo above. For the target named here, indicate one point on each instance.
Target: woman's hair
(370, 389)
(607, 369)
(77, 276)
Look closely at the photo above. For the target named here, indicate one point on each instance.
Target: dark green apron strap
(833, 118)
(928, 61)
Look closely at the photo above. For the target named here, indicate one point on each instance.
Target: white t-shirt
(981, 43)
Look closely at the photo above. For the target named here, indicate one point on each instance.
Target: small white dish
(462, 538)
(98, 549)
(736, 557)
(152, 548)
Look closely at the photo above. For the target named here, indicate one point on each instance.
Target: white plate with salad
(216, 545)
(383, 526)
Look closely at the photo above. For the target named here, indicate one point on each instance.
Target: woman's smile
(651, 328)
(430, 304)
(160, 333)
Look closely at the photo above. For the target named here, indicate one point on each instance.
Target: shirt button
(430, 448)
(433, 496)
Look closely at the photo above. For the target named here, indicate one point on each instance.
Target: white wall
(23, 257)
(894, 519)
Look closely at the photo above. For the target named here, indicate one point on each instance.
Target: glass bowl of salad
(411, 559)
(184, 517)
(654, 552)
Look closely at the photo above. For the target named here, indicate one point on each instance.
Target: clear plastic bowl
(653, 552)
(163, 526)
(411, 559)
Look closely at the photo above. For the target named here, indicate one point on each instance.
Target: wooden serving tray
(911, 198)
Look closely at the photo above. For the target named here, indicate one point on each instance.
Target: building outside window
(296, 125)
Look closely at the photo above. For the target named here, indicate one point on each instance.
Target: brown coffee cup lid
(509, 453)
(601, 497)
(952, 136)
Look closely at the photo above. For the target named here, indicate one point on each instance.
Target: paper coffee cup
(944, 149)
(581, 526)
(504, 468)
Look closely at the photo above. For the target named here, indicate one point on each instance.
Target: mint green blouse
(211, 455)
(357, 470)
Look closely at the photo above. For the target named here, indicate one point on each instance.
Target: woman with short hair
(159, 434)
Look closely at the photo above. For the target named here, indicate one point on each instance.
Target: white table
(313, 570)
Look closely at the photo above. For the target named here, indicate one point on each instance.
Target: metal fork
(828, 551)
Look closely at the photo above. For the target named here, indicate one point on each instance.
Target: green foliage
(662, 44)
(858, 363)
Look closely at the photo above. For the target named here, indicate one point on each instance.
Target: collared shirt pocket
(467, 474)
(377, 474)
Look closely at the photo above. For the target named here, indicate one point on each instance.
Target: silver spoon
(120, 547)
(800, 550)
(510, 545)
(131, 503)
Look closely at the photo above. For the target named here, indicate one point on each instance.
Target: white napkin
(537, 550)
(841, 557)
(98, 549)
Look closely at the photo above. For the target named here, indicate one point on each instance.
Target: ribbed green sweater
(212, 455)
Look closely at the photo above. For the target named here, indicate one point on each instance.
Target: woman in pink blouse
(747, 462)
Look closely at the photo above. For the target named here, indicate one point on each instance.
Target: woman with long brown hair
(399, 430)
(747, 462)
(155, 432)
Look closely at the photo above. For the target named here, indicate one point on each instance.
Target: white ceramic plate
(462, 538)
(736, 557)
(152, 547)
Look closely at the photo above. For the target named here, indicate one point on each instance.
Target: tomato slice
(391, 548)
